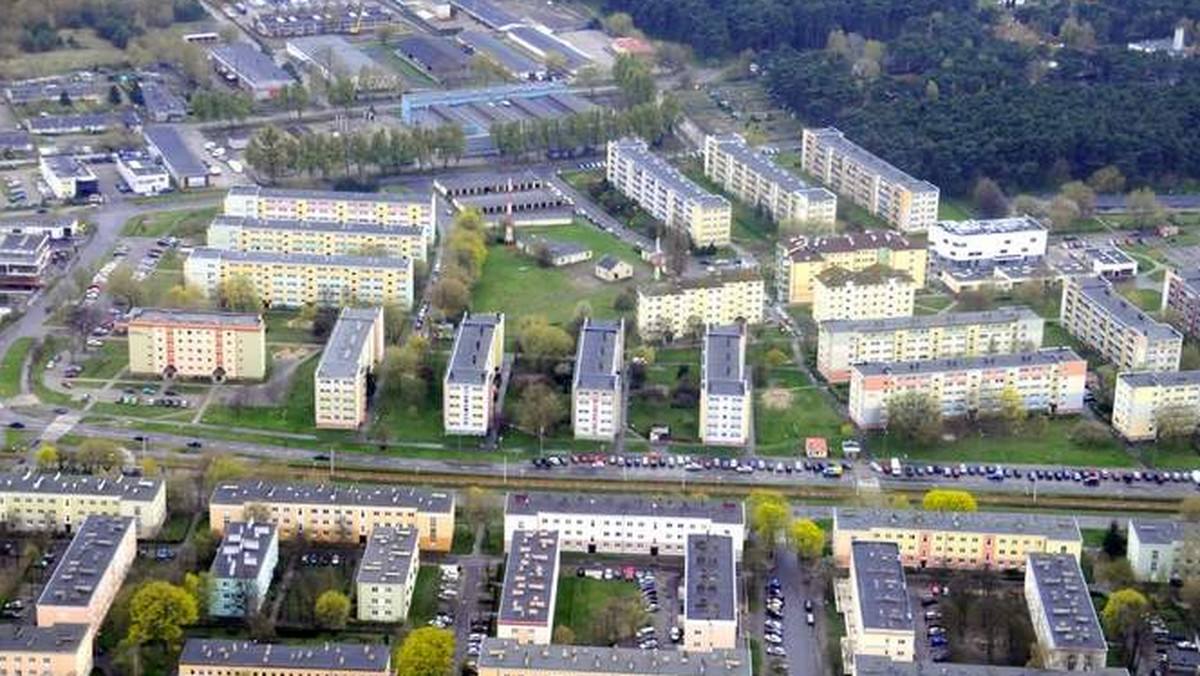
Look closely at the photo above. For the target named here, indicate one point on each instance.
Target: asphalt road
(804, 644)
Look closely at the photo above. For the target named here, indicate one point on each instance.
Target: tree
(769, 513)
(198, 586)
(158, 612)
(542, 342)
(271, 152)
(540, 409)
(948, 500)
(915, 417)
(1123, 617)
(562, 635)
(1189, 509)
(294, 97)
(1114, 541)
(1107, 180)
(1114, 573)
(989, 198)
(1082, 195)
(1090, 433)
(634, 79)
(1174, 423)
(184, 296)
(807, 538)
(450, 296)
(619, 618)
(1143, 208)
(114, 95)
(427, 651)
(239, 294)
(478, 503)
(121, 284)
(1012, 408)
(332, 609)
(1063, 212)
(619, 24)
(46, 457)
(1189, 597)
(775, 358)
(222, 468)
(64, 99)
(95, 453)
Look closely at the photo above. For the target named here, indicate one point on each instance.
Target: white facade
(468, 389)
(987, 241)
(143, 176)
(598, 388)
(725, 392)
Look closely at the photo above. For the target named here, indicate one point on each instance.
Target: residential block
(197, 344)
(90, 573)
(381, 208)
(598, 386)
(1064, 619)
(61, 503)
(323, 238)
(1162, 550)
(472, 375)
(1140, 398)
(875, 603)
(680, 306)
(387, 575)
(876, 292)
(58, 650)
(710, 594)
(1181, 294)
(240, 576)
(755, 179)
(726, 398)
(1120, 331)
(507, 657)
(341, 388)
(801, 258)
(232, 657)
(526, 612)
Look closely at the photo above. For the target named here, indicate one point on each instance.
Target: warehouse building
(68, 178)
(802, 258)
(344, 376)
(82, 123)
(597, 387)
(439, 58)
(755, 179)
(487, 13)
(726, 399)
(542, 43)
(243, 64)
(164, 142)
(51, 90)
(197, 344)
(1120, 331)
(142, 173)
(469, 386)
(387, 575)
(515, 62)
(162, 104)
(526, 613)
(1064, 619)
(332, 56)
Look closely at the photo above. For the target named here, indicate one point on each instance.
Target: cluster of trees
(588, 130)
(34, 25)
(916, 417)
(216, 105)
(771, 520)
(466, 252)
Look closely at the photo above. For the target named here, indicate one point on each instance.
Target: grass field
(424, 599)
(51, 347)
(808, 413)
(166, 275)
(954, 210)
(281, 330)
(107, 361)
(1052, 448)
(294, 414)
(183, 223)
(580, 602)
(11, 367)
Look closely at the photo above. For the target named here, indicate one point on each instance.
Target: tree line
(587, 130)
(34, 25)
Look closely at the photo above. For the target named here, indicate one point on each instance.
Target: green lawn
(107, 361)
(1052, 448)
(50, 349)
(781, 427)
(954, 210)
(684, 422)
(600, 242)
(581, 600)
(166, 275)
(282, 327)
(933, 303)
(11, 367)
(183, 223)
(464, 536)
(1149, 300)
(424, 598)
(294, 414)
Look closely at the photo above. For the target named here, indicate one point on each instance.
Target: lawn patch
(183, 223)
(781, 422)
(581, 600)
(1053, 447)
(106, 361)
(293, 414)
(13, 365)
(424, 599)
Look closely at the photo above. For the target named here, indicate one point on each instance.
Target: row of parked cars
(827, 468)
(1087, 477)
(935, 632)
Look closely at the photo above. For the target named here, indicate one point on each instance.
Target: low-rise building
(332, 56)
(506, 657)
(296, 280)
(841, 343)
(868, 181)
(1052, 380)
(1143, 400)
(435, 56)
(1110, 262)
(512, 60)
(241, 573)
(16, 144)
(68, 178)
(83, 123)
(988, 241)
(877, 292)
(726, 398)
(876, 604)
(1064, 619)
(598, 385)
(58, 650)
(231, 657)
(556, 253)
(469, 386)
(755, 179)
(165, 142)
(666, 194)
(710, 598)
(333, 513)
(354, 349)
(322, 238)
(87, 578)
(623, 524)
(680, 306)
(956, 539)
(197, 344)
(612, 269)
(526, 613)
(802, 258)
(387, 575)
(541, 41)
(1125, 335)
(23, 260)
(162, 104)
(286, 204)
(1163, 550)
(242, 63)
(869, 665)
(51, 90)
(142, 174)
(1181, 295)
(60, 503)
(53, 226)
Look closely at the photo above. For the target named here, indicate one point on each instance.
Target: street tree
(540, 409)
(915, 417)
(1124, 619)
(426, 651)
(949, 500)
(1012, 409)
(807, 538)
(1175, 423)
(271, 152)
(223, 467)
(332, 609)
(770, 513)
(46, 457)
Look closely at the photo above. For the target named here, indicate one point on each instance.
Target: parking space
(970, 616)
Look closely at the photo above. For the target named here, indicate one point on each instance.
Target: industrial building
(90, 573)
(387, 575)
(68, 178)
(1118, 330)
(598, 384)
(143, 174)
(241, 572)
(170, 343)
(243, 64)
(678, 307)
(439, 58)
(726, 398)
(755, 179)
(526, 612)
(802, 258)
(82, 123)
(51, 90)
(162, 104)
(508, 57)
(1142, 398)
(344, 376)
(164, 142)
(555, 253)
(332, 56)
(351, 18)
(1064, 619)
(542, 43)
(469, 386)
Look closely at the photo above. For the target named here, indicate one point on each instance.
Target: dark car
(16, 425)
(194, 444)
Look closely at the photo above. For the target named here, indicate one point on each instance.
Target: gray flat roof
(1048, 355)
(303, 260)
(242, 550)
(1157, 531)
(141, 164)
(597, 363)
(707, 281)
(83, 565)
(1160, 378)
(1004, 315)
(876, 665)
(471, 346)
(127, 488)
(1108, 255)
(389, 556)
(710, 578)
(346, 342)
(517, 198)
(487, 181)
(66, 166)
(1066, 602)
(883, 601)
(1004, 523)
(215, 318)
(803, 247)
(180, 159)
(366, 495)
(249, 64)
(330, 195)
(333, 53)
(310, 658)
(724, 360)
(51, 90)
(16, 139)
(555, 247)
(835, 139)
(439, 55)
(766, 168)
(530, 578)
(646, 161)
(1099, 292)
(48, 124)
(57, 638)
(718, 511)
(23, 244)
(512, 60)
(159, 98)
(486, 12)
(507, 655)
(991, 226)
(550, 44)
(377, 229)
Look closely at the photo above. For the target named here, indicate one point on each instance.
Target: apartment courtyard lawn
(1053, 447)
(581, 602)
(294, 413)
(784, 417)
(106, 361)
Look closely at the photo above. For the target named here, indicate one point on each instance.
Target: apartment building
(469, 386)
(623, 524)
(755, 179)
(62, 502)
(334, 513)
(355, 347)
(90, 573)
(387, 575)
(710, 598)
(59, 650)
(989, 241)
(1064, 619)
(726, 398)
(876, 292)
(679, 306)
(1140, 397)
(295, 280)
(1162, 550)
(666, 194)
(800, 259)
(868, 181)
(956, 539)
(526, 613)
(870, 665)
(286, 204)
(319, 238)
(841, 343)
(1050, 380)
(875, 603)
(1120, 331)
(598, 386)
(506, 657)
(241, 572)
(197, 344)
(1181, 293)
(232, 657)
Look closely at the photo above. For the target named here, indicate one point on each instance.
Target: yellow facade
(61, 504)
(803, 259)
(318, 238)
(63, 650)
(194, 344)
(1141, 398)
(966, 548)
(681, 307)
(354, 349)
(469, 383)
(862, 295)
(758, 181)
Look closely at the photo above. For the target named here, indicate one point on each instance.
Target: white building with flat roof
(469, 386)
(354, 349)
(985, 241)
(526, 612)
(387, 575)
(726, 398)
(598, 386)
